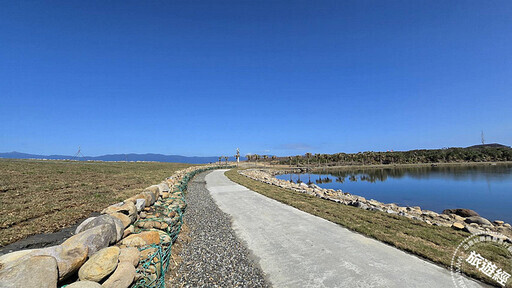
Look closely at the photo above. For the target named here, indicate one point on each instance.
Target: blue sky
(271, 77)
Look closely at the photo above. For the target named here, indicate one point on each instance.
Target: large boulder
(102, 220)
(163, 187)
(13, 258)
(121, 278)
(127, 208)
(150, 197)
(69, 256)
(130, 255)
(140, 204)
(142, 239)
(95, 238)
(359, 204)
(460, 212)
(100, 265)
(123, 218)
(84, 284)
(458, 226)
(478, 220)
(34, 271)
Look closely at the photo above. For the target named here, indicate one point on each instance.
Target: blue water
(485, 189)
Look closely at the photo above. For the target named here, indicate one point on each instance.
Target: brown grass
(45, 196)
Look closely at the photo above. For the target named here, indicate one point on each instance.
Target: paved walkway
(296, 249)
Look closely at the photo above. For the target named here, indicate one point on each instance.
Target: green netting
(167, 217)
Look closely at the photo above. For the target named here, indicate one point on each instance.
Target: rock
(128, 208)
(84, 284)
(458, 226)
(164, 237)
(123, 276)
(128, 231)
(359, 204)
(133, 241)
(506, 225)
(374, 202)
(35, 271)
(150, 198)
(102, 220)
(95, 238)
(130, 255)
(154, 189)
(150, 278)
(415, 209)
(81, 228)
(498, 222)
(461, 212)
(150, 237)
(363, 206)
(471, 230)
(69, 256)
(457, 218)
(430, 214)
(11, 259)
(100, 265)
(163, 187)
(442, 224)
(124, 219)
(146, 253)
(478, 220)
(140, 204)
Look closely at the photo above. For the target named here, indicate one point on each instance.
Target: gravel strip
(214, 257)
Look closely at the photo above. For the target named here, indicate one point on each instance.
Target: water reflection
(321, 180)
(484, 188)
(372, 175)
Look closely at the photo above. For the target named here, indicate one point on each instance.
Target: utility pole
(78, 154)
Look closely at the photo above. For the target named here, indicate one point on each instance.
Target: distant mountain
(492, 145)
(122, 157)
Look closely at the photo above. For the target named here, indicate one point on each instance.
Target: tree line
(447, 155)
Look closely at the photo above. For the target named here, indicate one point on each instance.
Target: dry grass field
(39, 196)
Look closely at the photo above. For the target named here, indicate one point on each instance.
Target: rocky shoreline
(459, 219)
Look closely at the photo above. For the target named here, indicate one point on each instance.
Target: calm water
(485, 189)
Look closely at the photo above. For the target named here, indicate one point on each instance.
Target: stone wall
(460, 219)
(128, 245)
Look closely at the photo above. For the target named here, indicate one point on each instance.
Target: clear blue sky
(270, 77)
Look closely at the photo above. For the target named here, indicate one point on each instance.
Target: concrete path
(297, 249)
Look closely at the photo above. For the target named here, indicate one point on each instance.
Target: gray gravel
(214, 257)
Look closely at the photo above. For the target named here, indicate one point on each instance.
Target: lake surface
(485, 189)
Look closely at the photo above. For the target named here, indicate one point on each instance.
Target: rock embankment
(129, 243)
(460, 219)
